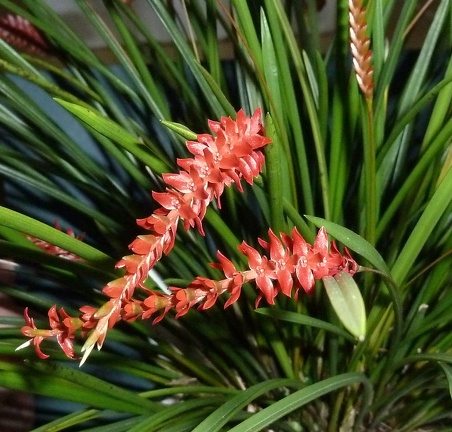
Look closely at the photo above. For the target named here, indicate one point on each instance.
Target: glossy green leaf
(347, 302)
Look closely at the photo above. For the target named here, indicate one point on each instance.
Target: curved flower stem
(370, 175)
(278, 348)
(294, 216)
(274, 177)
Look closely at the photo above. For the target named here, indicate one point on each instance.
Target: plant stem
(370, 175)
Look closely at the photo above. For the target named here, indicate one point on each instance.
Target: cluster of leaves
(378, 164)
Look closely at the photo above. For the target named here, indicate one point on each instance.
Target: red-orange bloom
(227, 156)
(292, 263)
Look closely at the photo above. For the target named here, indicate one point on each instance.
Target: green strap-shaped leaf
(115, 132)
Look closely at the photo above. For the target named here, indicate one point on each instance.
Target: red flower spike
(291, 258)
(221, 159)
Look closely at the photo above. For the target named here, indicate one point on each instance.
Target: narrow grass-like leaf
(310, 105)
(448, 372)
(221, 416)
(54, 191)
(304, 320)
(65, 422)
(439, 202)
(35, 116)
(228, 109)
(248, 28)
(69, 384)
(174, 411)
(289, 404)
(180, 129)
(41, 82)
(299, 160)
(394, 50)
(179, 40)
(115, 132)
(136, 70)
(274, 177)
(416, 81)
(96, 385)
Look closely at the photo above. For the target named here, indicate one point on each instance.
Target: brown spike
(22, 35)
(360, 47)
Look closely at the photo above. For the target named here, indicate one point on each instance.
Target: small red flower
(284, 263)
(263, 273)
(154, 303)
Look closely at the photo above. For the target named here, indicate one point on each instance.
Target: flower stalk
(364, 71)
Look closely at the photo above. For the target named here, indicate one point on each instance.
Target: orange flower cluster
(55, 250)
(290, 263)
(226, 157)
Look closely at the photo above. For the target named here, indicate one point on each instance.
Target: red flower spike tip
(60, 328)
